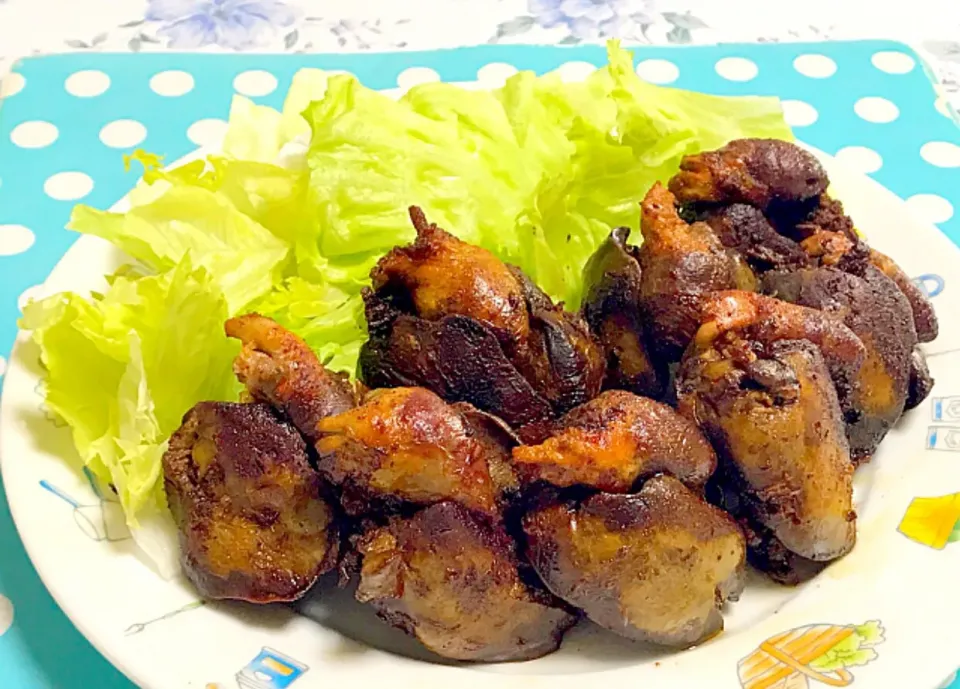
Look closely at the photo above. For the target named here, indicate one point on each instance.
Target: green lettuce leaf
(538, 171)
(258, 133)
(242, 256)
(330, 319)
(123, 367)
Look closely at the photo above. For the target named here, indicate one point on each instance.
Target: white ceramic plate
(161, 636)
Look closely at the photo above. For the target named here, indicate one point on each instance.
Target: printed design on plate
(811, 656)
(944, 433)
(270, 669)
(933, 522)
(138, 627)
(102, 520)
(930, 284)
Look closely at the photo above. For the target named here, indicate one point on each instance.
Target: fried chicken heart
(679, 264)
(406, 445)
(452, 317)
(280, 368)
(614, 440)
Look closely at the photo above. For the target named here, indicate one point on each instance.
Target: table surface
(34, 634)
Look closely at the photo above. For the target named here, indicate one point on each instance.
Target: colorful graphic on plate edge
(933, 522)
(102, 520)
(139, 627)
(270, 669)
(810, 656)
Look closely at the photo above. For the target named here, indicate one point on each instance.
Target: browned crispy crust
(773, 415)
(611, 306)
(874, 308)
(561, 358)
(759, 172)
(252, 523)
(763, 319)
(747, 231)
(474, 329)
(278, 367)
(921, 382)
(828, 236)
(406, 445)
(679, 263)
(924, 317)
(655, 566)
(456, 357)
(613, 441)
(439, 275)
(452, 581)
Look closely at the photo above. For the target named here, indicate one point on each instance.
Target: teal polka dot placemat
(66, 121)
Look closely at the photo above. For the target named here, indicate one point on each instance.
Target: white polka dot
(34, 293)
(495, 74)
(123, 134)
(930, 207)
(6, 615)
(171, 83)
(892, 62)
(68, 186)
(860, 158)
(207, 132)
(15, 239)
(11, 84)
(575, 71)
(876, 109)
(255, 83)
(34, 134)
(87, 84)
(798, 113)
(941, 153)
(658, 71)
(412, 76)
(736, 68)
(815, 66)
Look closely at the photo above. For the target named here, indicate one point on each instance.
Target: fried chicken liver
(453, 581)
(253, 525)
(655, 566)
(758, 381)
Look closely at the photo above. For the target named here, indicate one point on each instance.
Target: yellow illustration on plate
(819, 653)
(934, 522)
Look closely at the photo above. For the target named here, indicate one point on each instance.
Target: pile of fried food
(505, 467)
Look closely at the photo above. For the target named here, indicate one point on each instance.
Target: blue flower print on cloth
(234, 24)
(591, 19)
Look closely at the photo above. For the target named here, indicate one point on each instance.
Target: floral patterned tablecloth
(30, 27)
(56, 655)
